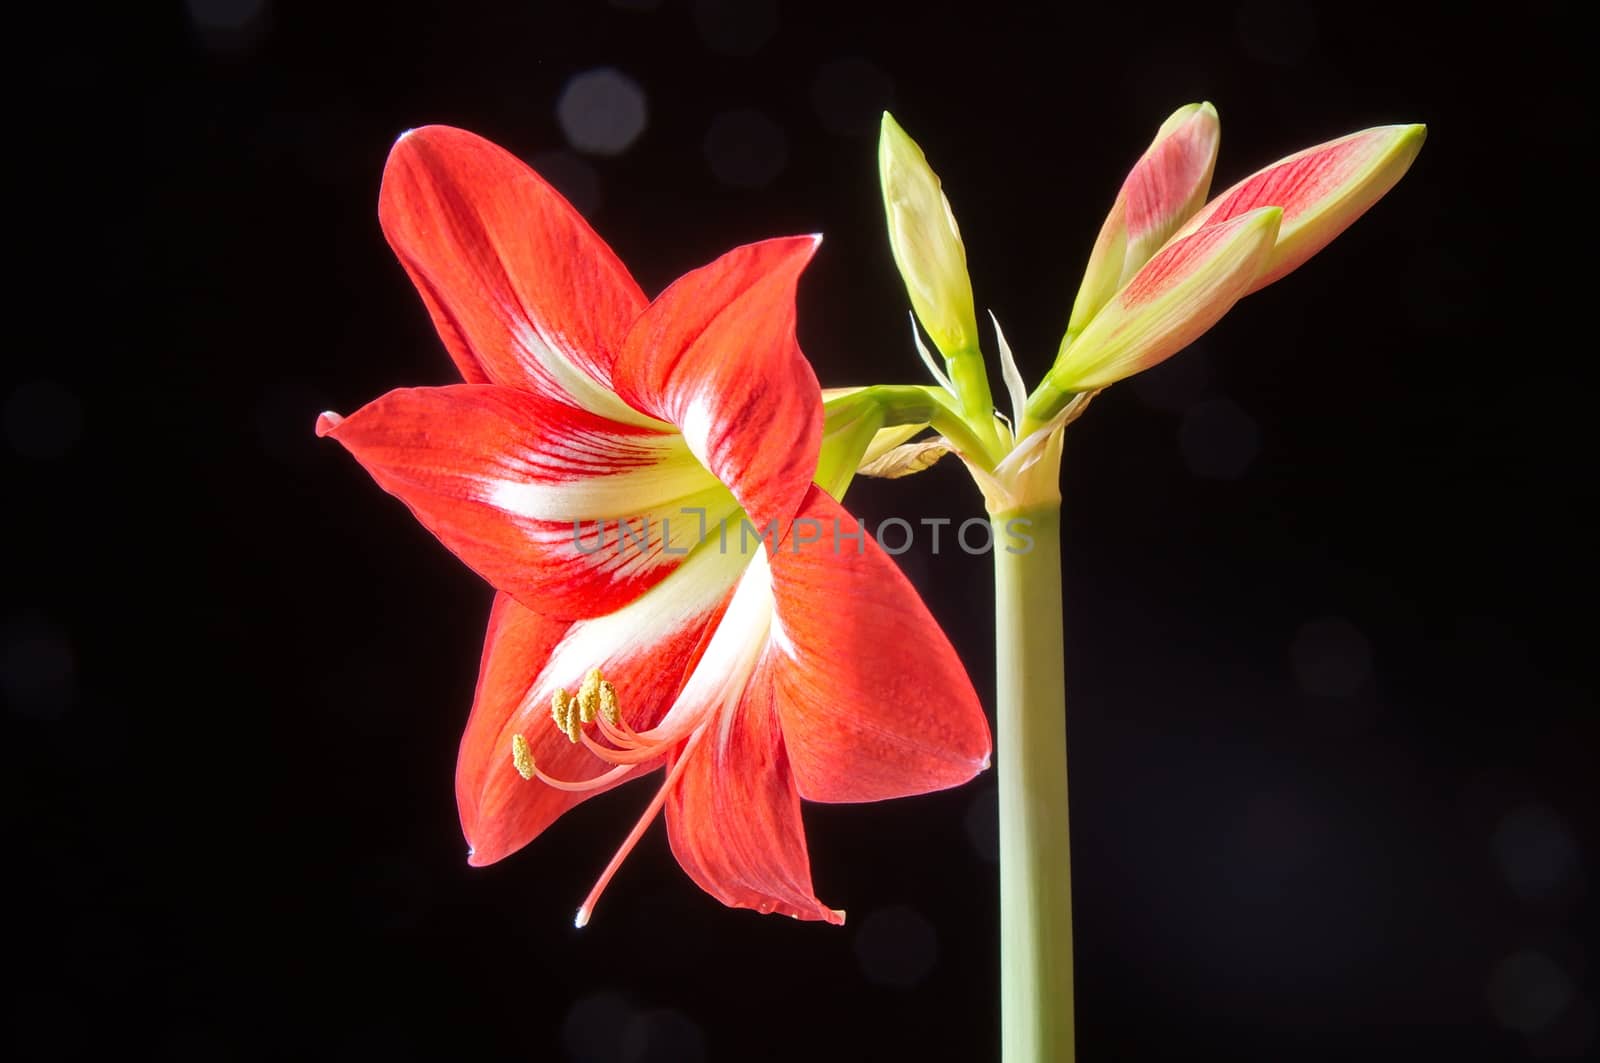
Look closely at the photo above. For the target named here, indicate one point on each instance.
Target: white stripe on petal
(550, 357)
(696, 428)
(731, 656)
(565, 482)
(681, 599)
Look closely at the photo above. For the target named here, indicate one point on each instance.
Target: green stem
(971, 380)
(1036, 1012)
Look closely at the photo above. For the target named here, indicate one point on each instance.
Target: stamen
(610, 710)
(605, 778)
(522, 756)
(627, 754)
(561, 708)
(653, 740)
(618, 733)
(589, 696)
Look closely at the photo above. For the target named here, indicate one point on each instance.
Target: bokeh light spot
(1528, 991)
(896, 947)
(663, 1036)
(1536, 852)
(1331, 658)
(745, 148)
(983, 824)
(592, 1030)
(602, 111)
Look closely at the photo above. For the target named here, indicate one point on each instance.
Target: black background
(1329, 586)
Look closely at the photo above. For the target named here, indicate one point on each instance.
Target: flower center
(597, 708)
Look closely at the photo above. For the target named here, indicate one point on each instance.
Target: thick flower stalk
(635, 478)
(1168, 263)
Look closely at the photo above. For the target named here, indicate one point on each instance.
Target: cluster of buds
(1168, 263)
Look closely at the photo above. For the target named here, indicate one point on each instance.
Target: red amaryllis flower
(584, 469)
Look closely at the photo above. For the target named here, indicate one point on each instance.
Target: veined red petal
(716, 355)
(1321, 190)
(522, 290)
(734, 816)
(873, 699)
(645, 649)
(516, 484)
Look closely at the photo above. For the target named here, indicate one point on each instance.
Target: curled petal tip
(327, 421)
(805, 245)
(1184, 114)
(415, 133)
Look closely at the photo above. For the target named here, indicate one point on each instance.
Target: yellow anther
(561, 709)
(589, 696)
(595, 697)
(522, 756)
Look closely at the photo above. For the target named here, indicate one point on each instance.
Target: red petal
(716, 355)
(874, 701)
(500, 476)
(645, 650)
(734, 816)
(523, 292)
